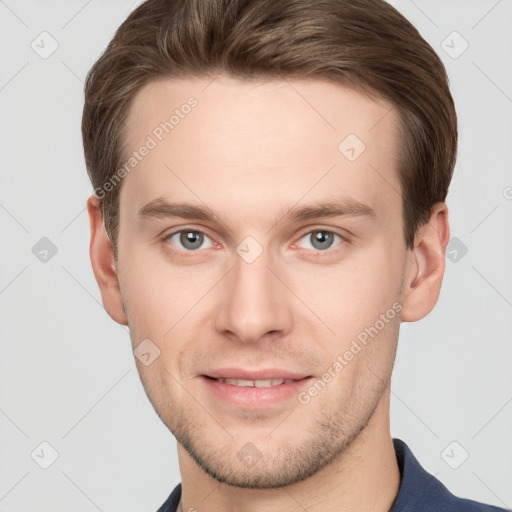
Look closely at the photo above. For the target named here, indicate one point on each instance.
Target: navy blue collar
(421, 492)
(416, 485)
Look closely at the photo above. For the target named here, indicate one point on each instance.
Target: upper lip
(262, 374)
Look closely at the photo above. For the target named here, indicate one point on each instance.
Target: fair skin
(250, 152)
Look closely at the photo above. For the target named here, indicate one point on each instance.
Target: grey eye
(189, 240)
(320, 240)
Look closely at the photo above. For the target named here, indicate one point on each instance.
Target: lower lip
(252, 397)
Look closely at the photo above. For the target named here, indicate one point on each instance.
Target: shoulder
(421, 492)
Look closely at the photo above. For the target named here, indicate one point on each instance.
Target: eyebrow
(346, 207)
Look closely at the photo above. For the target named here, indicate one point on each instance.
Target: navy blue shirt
(419, 491)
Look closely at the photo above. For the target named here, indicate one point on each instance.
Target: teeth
(241, 383)
(256, 383)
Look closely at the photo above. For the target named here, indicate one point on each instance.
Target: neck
(365, 476)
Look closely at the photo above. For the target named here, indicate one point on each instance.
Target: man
(270, 182)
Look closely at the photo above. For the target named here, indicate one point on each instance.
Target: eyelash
(315, 253)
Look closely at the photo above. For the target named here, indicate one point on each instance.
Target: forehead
(258, 141)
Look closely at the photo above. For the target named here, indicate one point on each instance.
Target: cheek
(156, 292)
(352, 295)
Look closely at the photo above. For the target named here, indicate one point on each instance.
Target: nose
(254, 304)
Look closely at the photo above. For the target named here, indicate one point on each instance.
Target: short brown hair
(365, 44)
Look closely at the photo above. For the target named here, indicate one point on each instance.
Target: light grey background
(67, 372)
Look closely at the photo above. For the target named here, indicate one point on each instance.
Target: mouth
(255, 389)
(243, 383)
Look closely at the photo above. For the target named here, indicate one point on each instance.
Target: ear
(425, 266)
(104, 264)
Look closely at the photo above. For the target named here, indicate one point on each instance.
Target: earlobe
(103, 263)
(425, 267)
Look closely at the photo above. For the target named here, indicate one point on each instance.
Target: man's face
(258, 292)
